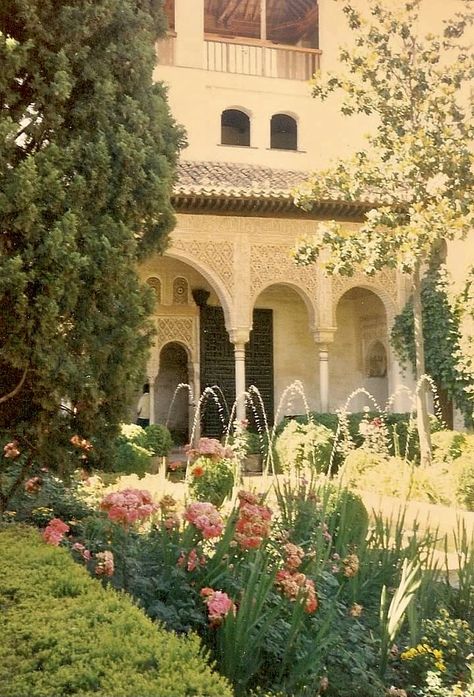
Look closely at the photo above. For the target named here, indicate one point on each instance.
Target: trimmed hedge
(63, 634)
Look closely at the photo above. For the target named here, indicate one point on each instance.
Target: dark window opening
(284, 132)
(235, 128)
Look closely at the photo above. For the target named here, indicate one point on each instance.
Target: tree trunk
(422, 418)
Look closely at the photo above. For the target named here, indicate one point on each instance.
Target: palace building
(232, 309)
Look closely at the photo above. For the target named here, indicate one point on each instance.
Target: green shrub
(53, 498)
(158, 440)
(211, 480)
(395, 477)
(463, 469)
(63, 634)
(304, 445)
(359, 467)
(401, 427)
(346, 517)
(447, 445)
(132, 433)
(131, 458)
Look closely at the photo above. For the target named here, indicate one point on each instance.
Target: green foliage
(464, 481)
(442, 335)
(402, 435)
(63, 634)
(447, 445)
(211, 480)
(303, 445)
(54, 498)
(455, 638)
(132, 433)
(131, 458)
(158, 440)
(87, 152)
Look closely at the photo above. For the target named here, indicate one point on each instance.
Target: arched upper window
(235, 128)
(283, 132)
(155, 283)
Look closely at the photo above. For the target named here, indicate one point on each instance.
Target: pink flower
(209, 447)
(33, 484)
(218, 605)
(128, 506)
(294, 584)
(253, 524)
(55, 531)
(105, 564)
(11, 450)
(83, 551)
(206, 518)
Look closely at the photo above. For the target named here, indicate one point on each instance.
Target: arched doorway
(359, 354)
(171, 403)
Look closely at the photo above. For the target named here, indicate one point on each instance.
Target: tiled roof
(235, 180)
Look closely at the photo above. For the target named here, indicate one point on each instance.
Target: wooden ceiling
(287, 20)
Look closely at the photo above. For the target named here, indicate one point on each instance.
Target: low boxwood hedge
(63, 634)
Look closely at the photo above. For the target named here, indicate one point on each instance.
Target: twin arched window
(235, 130)
(235, 127)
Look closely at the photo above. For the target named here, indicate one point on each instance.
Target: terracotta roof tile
(230, 179)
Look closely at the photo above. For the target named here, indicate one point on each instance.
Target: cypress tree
(87, 155)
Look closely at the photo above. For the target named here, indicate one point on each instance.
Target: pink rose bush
(206, 518)
(54, 532)
(218, 605)
(128, 506)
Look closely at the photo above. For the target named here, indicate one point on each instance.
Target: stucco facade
(233, 240)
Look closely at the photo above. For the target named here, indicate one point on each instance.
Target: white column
(239, 353)
(324, 337)
(239, 338)
(151, 382)
(324, 377)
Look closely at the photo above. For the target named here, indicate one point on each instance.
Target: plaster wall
(197, 97)
(294, 349)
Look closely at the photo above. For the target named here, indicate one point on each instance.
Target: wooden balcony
(248, 57)
(261, 58)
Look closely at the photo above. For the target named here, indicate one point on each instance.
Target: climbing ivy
(442, 336)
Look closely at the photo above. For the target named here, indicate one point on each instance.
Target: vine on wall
(445, 359)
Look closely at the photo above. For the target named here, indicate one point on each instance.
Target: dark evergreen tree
(87, 154)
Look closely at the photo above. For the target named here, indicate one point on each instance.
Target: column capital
(239, 335)
(324, 335)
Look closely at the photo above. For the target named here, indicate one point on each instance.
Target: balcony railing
(262, 58)
(248, 57)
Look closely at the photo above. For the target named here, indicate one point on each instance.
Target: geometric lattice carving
(175, 329)
(155, 283)
(271, 263)
(217, 256)
(180, 291)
